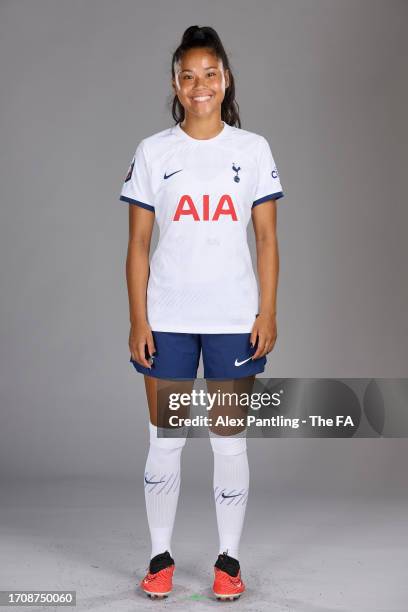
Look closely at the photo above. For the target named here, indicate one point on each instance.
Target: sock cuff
(173, 438)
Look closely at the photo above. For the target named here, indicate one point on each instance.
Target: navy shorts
(225, 356)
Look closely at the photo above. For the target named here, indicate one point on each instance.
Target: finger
(150, 344)
(269, 347)
(254, 335)
(266, 344)
(141, 356)
(272, 344)
(261, 347)
(132, 352)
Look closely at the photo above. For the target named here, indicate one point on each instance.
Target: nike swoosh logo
(226, 496)
(166, 176)
(153, 481)
(238, 363)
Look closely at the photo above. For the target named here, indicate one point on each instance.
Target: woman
(202, 179)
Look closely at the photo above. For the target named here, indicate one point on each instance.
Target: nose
(200, 80)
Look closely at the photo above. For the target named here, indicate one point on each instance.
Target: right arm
(141, 223)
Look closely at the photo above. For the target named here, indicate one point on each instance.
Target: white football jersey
(202, 192)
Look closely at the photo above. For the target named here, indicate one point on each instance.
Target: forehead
(199, 58)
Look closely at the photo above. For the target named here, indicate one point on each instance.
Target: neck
(202, 127)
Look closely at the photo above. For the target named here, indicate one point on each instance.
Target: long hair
(196, 36)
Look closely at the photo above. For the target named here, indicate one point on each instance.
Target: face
(200, 82)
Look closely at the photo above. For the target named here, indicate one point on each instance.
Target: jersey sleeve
(136, 188)
(268, 185)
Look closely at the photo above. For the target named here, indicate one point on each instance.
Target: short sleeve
(268, 185)
(136, 188)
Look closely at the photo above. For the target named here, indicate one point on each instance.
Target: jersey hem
(185, 329)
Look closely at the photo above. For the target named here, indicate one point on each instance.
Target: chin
(203, 112)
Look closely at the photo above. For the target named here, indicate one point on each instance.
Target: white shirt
(202, 192)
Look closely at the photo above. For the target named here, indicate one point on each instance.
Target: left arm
(264, 222)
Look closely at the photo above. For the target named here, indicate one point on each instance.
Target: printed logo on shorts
(239, 363)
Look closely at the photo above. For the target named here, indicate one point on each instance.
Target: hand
(141, 335)
(265, 330)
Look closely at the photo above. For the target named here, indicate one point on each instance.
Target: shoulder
(157, 142)
(249, 140)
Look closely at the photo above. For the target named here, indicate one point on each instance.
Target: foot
(158, 581)
(227, 578)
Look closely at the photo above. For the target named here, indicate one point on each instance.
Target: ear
(227, 78)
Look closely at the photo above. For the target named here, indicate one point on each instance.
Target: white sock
(231, 479)
(162, 473)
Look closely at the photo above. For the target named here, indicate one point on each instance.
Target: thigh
(233, 411)
(157, 392)
(229, 356)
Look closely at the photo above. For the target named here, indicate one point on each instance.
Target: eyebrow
(206, 68)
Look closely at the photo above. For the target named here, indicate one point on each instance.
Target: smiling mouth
(202, 98)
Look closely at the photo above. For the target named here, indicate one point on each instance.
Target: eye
(212, 73)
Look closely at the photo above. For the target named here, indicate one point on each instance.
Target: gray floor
(299, 552)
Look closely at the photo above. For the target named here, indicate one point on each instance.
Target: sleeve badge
(130, 171)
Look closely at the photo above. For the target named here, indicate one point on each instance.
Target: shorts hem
(154, 374)
(163, 376)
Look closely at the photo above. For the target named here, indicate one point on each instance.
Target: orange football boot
(158, 582)
(227, 578)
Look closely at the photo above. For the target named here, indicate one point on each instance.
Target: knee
(228, 445)
(166, 443)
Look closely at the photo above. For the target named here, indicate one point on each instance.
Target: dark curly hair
(205, 36)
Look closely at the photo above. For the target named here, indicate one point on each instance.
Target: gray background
(81, 83)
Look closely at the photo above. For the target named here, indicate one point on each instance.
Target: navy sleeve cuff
(137, 202)
(271, 196)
